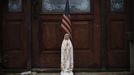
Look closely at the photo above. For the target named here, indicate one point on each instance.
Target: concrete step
(78, 73)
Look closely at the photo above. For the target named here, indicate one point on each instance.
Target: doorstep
(78, 73)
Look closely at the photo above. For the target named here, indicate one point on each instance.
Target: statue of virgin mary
(66, 56)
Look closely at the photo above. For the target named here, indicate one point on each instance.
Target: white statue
(66, 56)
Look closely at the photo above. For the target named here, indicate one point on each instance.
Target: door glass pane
(59, 5)
(14, 5)
(117, 5)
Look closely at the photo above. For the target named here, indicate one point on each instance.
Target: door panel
(49, 36)
(84, 38)
(48, 45)
(84, 44)
(117, 27)
(14, 38)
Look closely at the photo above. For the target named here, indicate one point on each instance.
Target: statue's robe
(66, 56)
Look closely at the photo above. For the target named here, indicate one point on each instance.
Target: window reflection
(117, 5)
(14, 5)
(59, 5)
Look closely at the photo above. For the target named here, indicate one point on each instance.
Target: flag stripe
(67, 19)
(66, 22)
(67, 25)
(65, 28)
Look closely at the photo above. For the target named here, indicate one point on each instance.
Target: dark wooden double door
(32, 39)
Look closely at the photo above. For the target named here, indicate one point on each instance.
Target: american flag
(66, 22)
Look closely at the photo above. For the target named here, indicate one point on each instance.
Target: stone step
(78, 73)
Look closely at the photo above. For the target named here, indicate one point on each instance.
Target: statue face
(66, 36)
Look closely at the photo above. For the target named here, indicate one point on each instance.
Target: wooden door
(47, 37)
(118, 24)
(14, 34)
